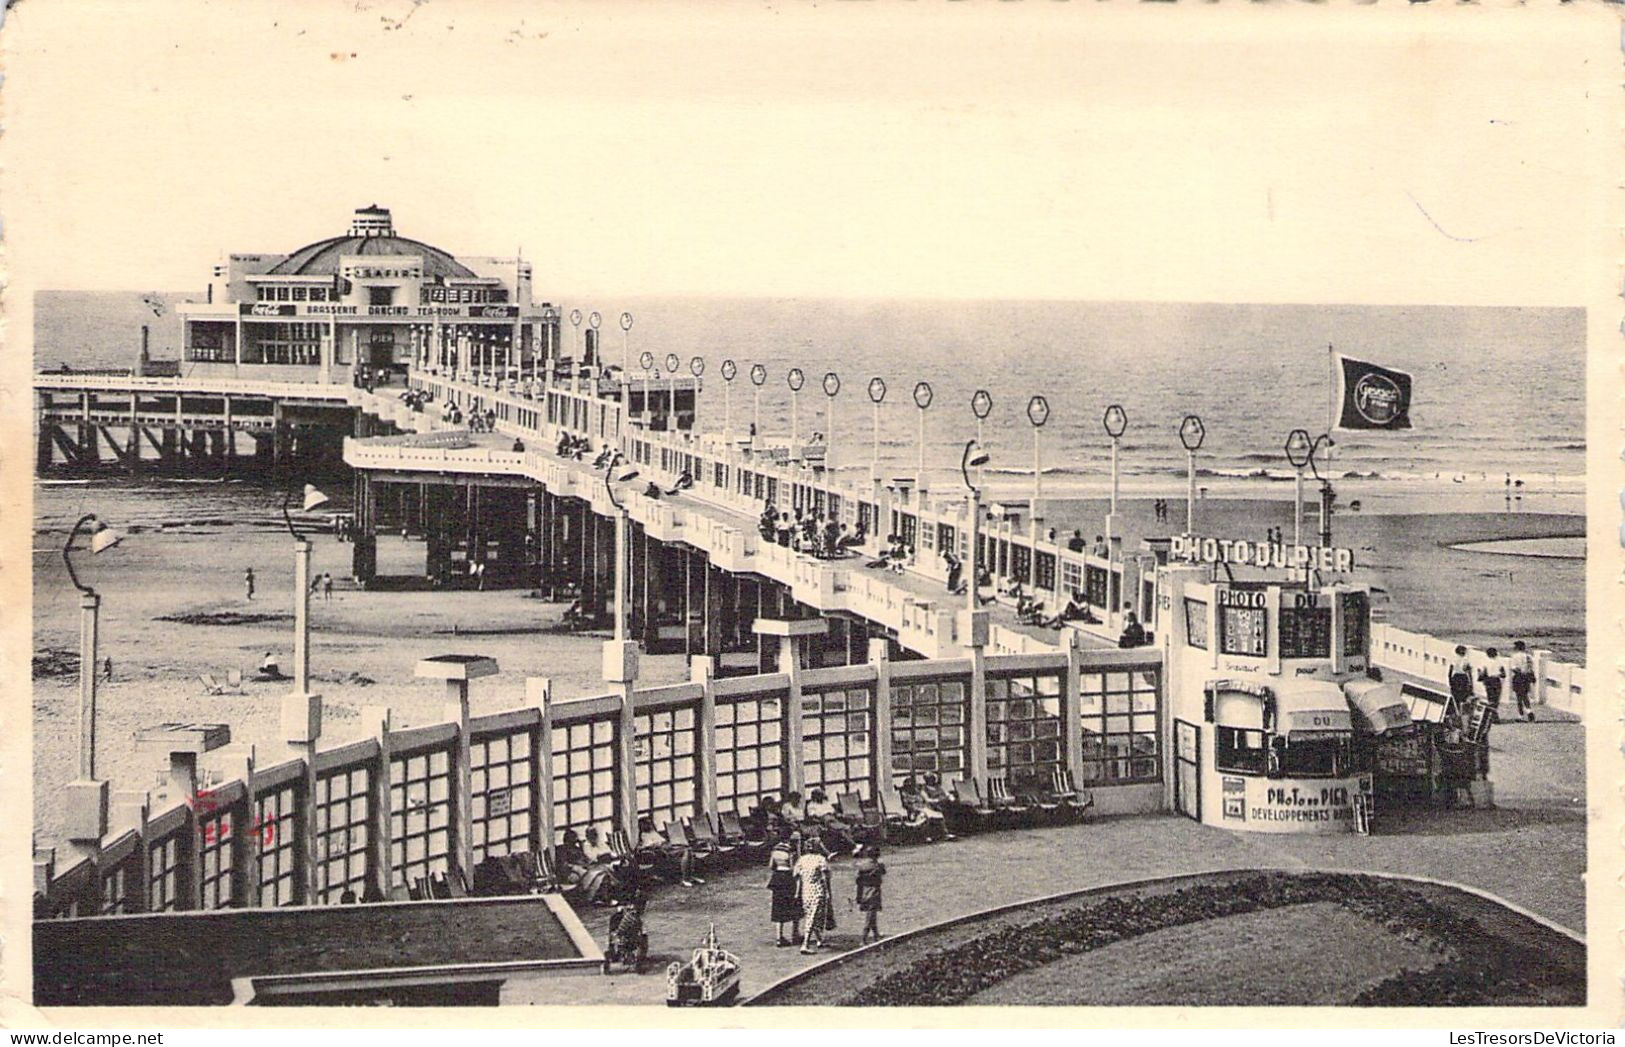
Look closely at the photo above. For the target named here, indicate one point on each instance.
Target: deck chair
(1006, 807)
(622, 848)
(1045, 807)
(1074, 801)
(703, 835)
(967, 806)
(677, 832)
(212, 685)
(234, 680)
(850, 807)
(893, 824)
(732, 830)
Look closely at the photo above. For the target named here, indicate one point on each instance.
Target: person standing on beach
(327, 586)
(1461, 681)
(1523, 678)
(248, 581)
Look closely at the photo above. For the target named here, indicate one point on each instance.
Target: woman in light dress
(812, 881)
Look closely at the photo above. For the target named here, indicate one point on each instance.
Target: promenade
(1530, 851)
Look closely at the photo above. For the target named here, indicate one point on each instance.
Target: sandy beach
(364, 645)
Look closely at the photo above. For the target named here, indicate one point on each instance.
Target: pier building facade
(369, 299)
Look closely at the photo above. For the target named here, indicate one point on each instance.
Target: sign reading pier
(1240, 552)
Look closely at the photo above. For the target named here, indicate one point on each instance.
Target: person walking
(1523, 679)
(1493, 676)
(870, 872)
(327, 586)
(248, 581)
(1461, 683)
(781, 886)
(812, 883)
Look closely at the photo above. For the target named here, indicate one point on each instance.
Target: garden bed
(1443, 950)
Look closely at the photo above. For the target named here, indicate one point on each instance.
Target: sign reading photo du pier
(1194, 549)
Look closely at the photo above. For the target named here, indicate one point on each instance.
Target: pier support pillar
(364, 553)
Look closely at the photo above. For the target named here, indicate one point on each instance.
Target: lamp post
(973, 457)
(981, 405)
(922, 400)
(1037, 414)
(696, 367)
(621, 654)
(832, 385)
(1327, 495)
(550, 316)
(613, 474)
(102, 538)
(758, 376)
(877, 396)
(646, 360)
(626, 364)
(301, 587)
(795, 380)
(730, 370)
(1299, 448)
(1191, 434)
(1116, 422)
(575, 349)
(672, 364)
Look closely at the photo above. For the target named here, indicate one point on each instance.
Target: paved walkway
(1530, 851)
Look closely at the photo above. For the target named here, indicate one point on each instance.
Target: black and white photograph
(759, 507)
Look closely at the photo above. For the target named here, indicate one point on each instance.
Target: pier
(483, 453)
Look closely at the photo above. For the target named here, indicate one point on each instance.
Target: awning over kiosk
(1302, 708)
(1380, 707)
(1306, 708)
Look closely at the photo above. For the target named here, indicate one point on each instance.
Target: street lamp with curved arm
(313, 499)
(973, 457)
(611, 478)
(101, 539)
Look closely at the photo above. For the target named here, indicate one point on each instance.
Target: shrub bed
(1475, 967)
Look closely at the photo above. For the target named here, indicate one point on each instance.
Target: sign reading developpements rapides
(1195, 549)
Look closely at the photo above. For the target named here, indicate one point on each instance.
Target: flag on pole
(1372, 397)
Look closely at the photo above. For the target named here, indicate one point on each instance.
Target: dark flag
(1372, 397)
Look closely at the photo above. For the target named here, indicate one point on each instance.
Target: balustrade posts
(978, 697)
(880, 659)
(302, 729)
(1540, 657)
(131, 808)
(702, 670)
(462, 829)
(1072, 708)
(539, 694)
(376, 721)
(243, 839)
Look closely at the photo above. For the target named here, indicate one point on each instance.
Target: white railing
(1558, 684)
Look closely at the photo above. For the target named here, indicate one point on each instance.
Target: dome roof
(322, 258)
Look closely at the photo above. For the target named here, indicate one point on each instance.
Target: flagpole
(1331, 423)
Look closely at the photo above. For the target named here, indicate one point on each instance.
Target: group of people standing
(801, 886)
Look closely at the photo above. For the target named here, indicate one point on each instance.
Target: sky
(1021, 150)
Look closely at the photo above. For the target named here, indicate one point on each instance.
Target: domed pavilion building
(368, 300)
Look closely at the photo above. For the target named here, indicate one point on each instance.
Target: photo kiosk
(1260, 677)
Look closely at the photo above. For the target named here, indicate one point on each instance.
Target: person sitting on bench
(1133, 633)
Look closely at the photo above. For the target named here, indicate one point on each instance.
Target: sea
(1498, 393)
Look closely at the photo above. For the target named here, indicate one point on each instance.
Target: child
(871, 871)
